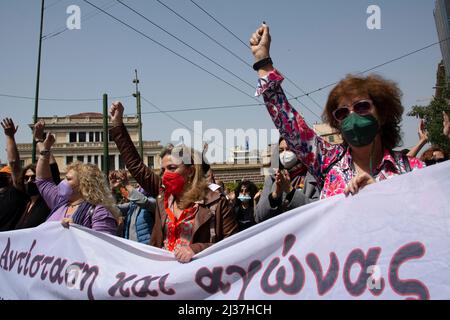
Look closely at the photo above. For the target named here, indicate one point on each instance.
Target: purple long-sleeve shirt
(102, 219)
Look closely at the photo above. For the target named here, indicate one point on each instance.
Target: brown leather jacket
(214, 220)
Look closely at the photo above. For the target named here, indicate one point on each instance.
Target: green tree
(432, 114)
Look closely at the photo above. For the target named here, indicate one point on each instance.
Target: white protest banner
(391, 241)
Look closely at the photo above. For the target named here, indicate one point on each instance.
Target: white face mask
(288, 159)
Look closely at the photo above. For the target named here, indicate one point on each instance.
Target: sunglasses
(434, 161)
(362, 108)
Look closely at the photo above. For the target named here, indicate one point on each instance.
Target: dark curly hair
(386, 97)
(251, 187)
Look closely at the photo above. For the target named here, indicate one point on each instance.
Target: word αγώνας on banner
(388, 242)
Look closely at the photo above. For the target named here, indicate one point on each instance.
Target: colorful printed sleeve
(415, 163)
(316, 153)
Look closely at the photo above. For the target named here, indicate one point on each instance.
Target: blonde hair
(197, 187)
(93, 186)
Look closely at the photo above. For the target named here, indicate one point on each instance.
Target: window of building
(112, 162)
(89, 159)
(97, 137)
(91, 137)
(331, 139)
(96, 160)
(82, 137)
(151, 162)
(69, 159)
(121, 163)
(80, 158)
(72, 137)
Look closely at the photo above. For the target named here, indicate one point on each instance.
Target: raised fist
(116, 112)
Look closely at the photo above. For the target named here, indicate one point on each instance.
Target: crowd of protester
(183, 208)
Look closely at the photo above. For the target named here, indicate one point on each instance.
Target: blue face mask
(244, 198)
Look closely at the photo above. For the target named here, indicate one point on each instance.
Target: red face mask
(173, 181)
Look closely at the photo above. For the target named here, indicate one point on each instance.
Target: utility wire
(186, 44)
(222, 46)
(179, 122)
(205, 108)
(241, 105)
(307, 94)
(247, 46)
(89, 16)
(378, 66)
(59, 99)
(165, 113)
(200, 53)
(170, 50)
(204, 33)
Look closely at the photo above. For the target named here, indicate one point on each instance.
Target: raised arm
(446, 125)
(43, 165)
(38, 135)
(315, 152)
(145, 176)
(12, 152)
(423, 139)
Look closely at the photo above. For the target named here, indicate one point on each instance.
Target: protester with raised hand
(37, 210)
(13, 199)
(290, 187)
(446, 125)
(189, 216)
(423, 139)
(138, 211)
(83, 197)
(365, 110)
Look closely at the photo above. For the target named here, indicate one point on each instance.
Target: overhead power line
(186, 44)
(378, 66)
(230, 106)
(59, 99)
(247, 46)
(170, 50)
(88, 16)
(224, 47)
(178, 121)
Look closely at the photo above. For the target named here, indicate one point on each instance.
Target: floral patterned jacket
(330, 164)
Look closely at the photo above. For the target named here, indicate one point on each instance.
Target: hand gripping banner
(390, 241)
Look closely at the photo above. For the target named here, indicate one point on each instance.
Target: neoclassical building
(80, 137)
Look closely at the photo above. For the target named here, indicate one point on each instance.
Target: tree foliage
(432, 114)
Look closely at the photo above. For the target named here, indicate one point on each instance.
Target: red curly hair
(386, 97)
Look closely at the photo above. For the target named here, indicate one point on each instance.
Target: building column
(116, 161)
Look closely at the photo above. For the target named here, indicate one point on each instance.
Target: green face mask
(359, 130)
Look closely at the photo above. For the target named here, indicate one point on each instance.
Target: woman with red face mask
(189, 216)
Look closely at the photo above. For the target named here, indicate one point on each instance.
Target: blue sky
(314, 43)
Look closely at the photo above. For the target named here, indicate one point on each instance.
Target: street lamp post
(36, 99)
(137, 95)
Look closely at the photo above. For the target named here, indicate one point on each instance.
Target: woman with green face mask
(366, 111)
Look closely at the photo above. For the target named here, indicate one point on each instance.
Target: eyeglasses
(362, 107)
(434, 161)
